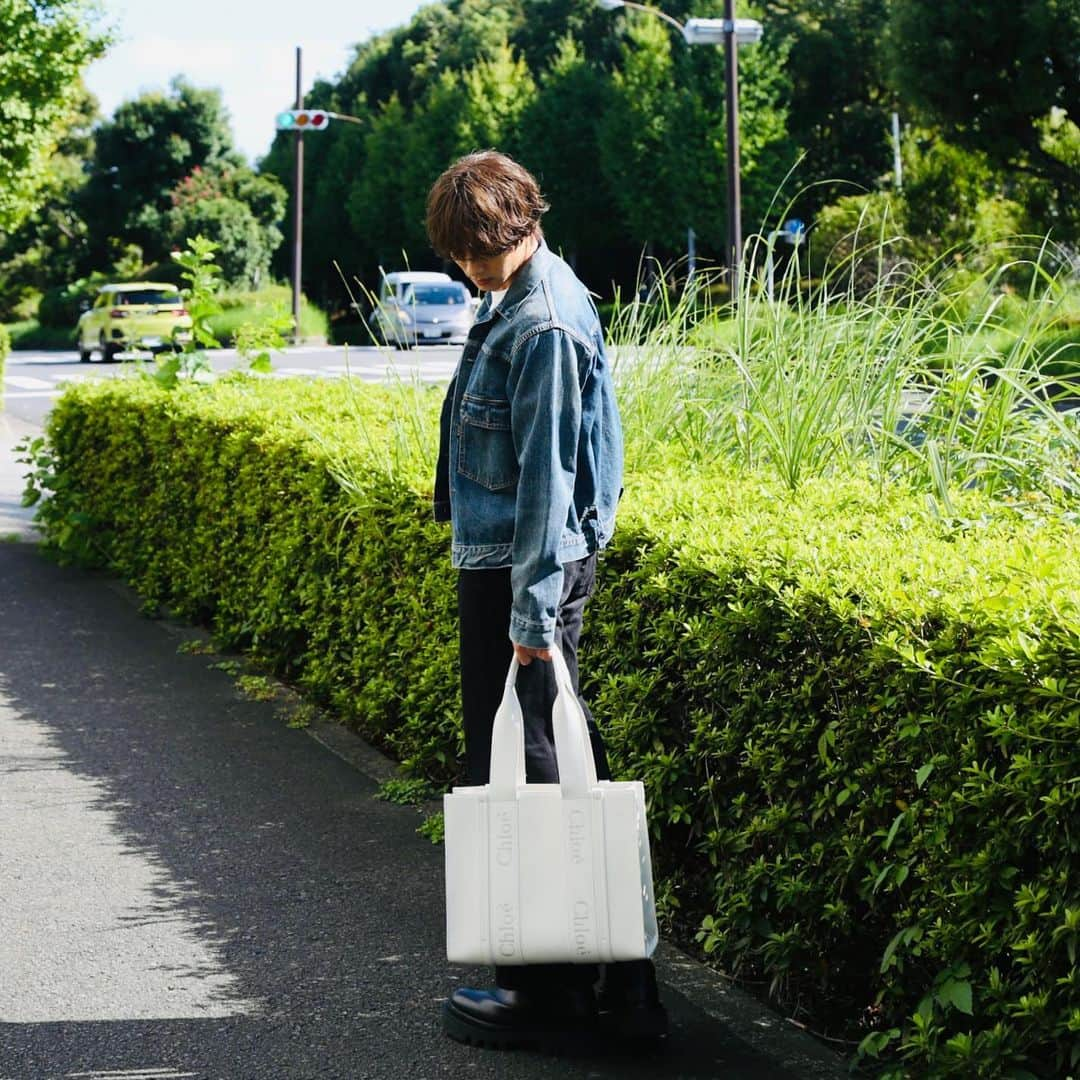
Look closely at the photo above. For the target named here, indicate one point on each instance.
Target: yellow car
(133, 317)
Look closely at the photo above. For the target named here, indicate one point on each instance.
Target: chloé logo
(504, 930)
(577, 837)
(504, 838)
(581, 927)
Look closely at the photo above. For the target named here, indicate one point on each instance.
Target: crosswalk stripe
(25, 382)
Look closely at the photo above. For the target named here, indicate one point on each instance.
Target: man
(529, 474)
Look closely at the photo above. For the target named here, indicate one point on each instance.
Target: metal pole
(298, 211)
(898, 167)
(691, 253)
(734, 200)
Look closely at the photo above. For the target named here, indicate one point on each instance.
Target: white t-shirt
(495, 298)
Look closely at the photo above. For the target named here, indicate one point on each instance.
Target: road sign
(794, 229)
(303, 120)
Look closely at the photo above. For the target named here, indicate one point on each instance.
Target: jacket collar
(524, 284)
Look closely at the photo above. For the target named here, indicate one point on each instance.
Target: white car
(418, 307)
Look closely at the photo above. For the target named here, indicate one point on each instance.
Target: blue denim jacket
(530, 448)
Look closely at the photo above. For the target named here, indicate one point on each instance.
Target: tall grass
(921, 374)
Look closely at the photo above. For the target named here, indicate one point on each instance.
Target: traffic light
(303, 120)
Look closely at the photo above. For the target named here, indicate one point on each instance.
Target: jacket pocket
(486, 447)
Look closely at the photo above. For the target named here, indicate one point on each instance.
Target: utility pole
(734, 199)
(298, 210)
(898, 166)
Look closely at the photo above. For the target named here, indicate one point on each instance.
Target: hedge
(857, 722)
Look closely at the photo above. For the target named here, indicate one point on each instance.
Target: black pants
(484, 601)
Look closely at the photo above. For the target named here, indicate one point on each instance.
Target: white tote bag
(547, 873)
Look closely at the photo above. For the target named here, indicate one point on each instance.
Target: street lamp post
(730, 32)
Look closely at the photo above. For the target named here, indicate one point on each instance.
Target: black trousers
(484, 601)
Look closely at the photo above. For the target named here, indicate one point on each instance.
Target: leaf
(923, 774)
(957, 993)
(901, 937)
(892, 832)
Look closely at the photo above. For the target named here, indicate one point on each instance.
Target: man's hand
(525, 655)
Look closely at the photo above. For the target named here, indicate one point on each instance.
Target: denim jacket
(530, 447)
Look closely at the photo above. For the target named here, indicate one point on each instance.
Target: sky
(247, 48)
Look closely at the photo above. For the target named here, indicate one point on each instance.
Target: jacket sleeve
(545, 421)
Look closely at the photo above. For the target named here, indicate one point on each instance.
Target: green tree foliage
(241, 210)
(663, 138)
(644, 138)
(1001, 79)
(375, 206)
(47, 246)
(46, 46)
(560, 137)
(839, 101)
(149, 146)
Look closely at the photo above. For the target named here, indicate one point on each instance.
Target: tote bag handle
(507, 767)
(573, 749)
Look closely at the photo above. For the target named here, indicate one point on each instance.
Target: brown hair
(483, 205)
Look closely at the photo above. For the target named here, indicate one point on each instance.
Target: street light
(730, 32)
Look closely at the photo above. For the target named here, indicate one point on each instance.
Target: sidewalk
(14, 518)
(191, 889)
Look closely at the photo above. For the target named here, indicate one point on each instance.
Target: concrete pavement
(189, 888)
(15, 519)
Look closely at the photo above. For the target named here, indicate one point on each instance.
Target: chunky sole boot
(560, 1022)
(630, 1006)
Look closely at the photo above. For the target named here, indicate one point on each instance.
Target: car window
(147, 296)
(437, 294)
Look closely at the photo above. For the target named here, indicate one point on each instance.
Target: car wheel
(108, 352)
(85, 355)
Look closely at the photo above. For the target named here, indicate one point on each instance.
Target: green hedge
(857, 723)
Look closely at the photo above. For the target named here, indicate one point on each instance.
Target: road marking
(25, 382)
(131, 1074)
(20, 394)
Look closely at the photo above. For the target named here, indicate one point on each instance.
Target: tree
(839, 100)
(240, 210)
(375, 203)
(46, 46)
(663, 139)
(151, 144)
(560, 143)
(1000, 77)
(497, 92)
(47, 246)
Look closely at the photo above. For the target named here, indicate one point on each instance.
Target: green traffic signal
(285, 121)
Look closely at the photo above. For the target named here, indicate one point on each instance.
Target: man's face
(494, 273)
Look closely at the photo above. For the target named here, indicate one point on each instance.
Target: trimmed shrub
(856, 720)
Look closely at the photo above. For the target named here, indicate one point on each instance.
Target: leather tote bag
(547, 873)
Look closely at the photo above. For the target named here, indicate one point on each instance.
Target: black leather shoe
(630, 1006)
(555, 1020)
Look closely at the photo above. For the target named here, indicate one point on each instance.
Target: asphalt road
(33, 380)
(191, 889)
